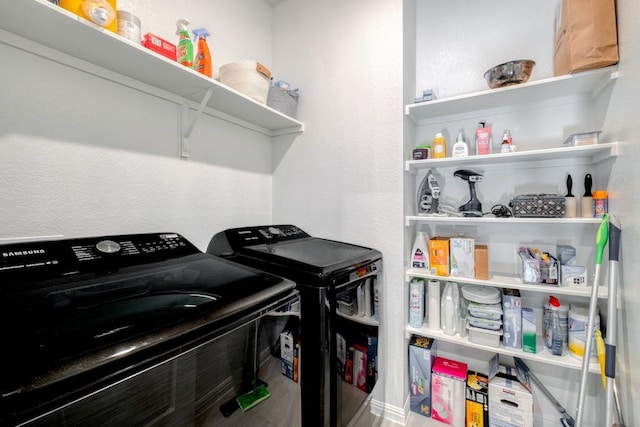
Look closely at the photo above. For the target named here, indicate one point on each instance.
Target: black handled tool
(588, 182)
(569, 186)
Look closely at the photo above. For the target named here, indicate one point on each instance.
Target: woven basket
(283, 100)
(248, 77)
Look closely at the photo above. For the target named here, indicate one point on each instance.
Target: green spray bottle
(185, 46)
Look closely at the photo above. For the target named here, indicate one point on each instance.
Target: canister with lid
(600, 203)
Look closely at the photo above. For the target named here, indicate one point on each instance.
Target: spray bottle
(203, 57)
(185, 47)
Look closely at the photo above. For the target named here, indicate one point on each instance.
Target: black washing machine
(338, 284)
(123, 330)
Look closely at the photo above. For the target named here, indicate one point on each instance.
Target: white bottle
(416, 302)
(460, 148)
(420, 251)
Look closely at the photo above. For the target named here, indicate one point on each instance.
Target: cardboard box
(448, 379)
(477, 400)
(462, 257)
(372, 362)
(422, 353)
(439, 256)
(159, 45)
(483, 362)
(481, 257)
(512, 318)
(289, 355)
(529, 331)
(510, 404)
(360, 367)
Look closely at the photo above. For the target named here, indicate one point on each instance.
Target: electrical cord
(500, 211)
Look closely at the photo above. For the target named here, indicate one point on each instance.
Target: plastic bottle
(460, 148)
(420, 251)
(185, 47)
(203, 63)
(505, 147)
(554, 331)
(416, 302)
(439, 146)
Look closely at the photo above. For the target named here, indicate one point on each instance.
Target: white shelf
(490, 219)
(566, 361)
(592, 153)
(53, 27)
(588, 82)
(513, 282)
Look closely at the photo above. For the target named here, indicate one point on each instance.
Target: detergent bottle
(185, 47)
(203, 57)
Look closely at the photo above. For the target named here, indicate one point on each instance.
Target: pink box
(448, 380)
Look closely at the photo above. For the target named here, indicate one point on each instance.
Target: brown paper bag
(586, 37)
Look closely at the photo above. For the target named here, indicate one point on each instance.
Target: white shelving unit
(39, 27)
(566, 361)
(504, 281)
(589, 84)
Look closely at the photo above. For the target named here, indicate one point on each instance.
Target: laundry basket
(283, 100)
(248, 77)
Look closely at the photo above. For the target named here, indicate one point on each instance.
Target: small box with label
(421, 356)
(439, 256)
(462, 257)
(448, 381)
(159, 45)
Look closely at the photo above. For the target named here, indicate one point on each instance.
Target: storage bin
(538, 206)
(484, 336)
(283, 100)
(248, 77)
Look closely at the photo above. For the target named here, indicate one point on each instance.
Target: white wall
(342, 179)
(83, 156)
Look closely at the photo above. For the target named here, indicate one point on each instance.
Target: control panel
(71, 256)
(250, 236)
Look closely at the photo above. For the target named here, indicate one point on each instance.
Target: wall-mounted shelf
(424, 219)
(501, 280)
(48, 25)
(591, 153)
(588, 82)
(566, 361)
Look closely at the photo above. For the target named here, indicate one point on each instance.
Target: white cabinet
(46, 30)
(533, 169)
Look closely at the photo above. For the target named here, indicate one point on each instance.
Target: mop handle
(612, 321)
(601, 241)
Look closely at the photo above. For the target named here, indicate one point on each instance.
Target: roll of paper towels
(434, 305)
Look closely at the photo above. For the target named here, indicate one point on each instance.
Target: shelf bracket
(186, 133)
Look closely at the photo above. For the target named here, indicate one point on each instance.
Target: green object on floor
(252, 398)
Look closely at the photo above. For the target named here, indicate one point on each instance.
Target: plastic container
(460, 148)
(563, 314)
(439, 146)
(554, 335)
(484, 336)
(420, 251)
(105, 11)
(248, 77)
(477, 322)
(203, 63)
(185, 47)
(600, 203)
(578, 324)
(416, 302)
(129, 26)
(485, 311)
(482, 294)
(450, 309)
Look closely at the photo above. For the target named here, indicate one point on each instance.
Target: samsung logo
(23, 253)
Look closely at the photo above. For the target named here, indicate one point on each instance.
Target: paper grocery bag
(586, 37)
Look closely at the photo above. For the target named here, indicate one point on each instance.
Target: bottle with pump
(439, 146)
(185, 47)
(203, 63)
(505, 147)
(460, 148)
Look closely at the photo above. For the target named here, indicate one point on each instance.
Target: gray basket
(285, 101)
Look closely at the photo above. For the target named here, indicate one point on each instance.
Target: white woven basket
(248, 77)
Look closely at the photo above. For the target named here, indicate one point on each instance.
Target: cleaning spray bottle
(185, 47)
(203, 57)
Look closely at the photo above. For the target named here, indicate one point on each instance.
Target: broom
(259, 393)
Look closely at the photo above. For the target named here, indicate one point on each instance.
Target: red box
(158, 45)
